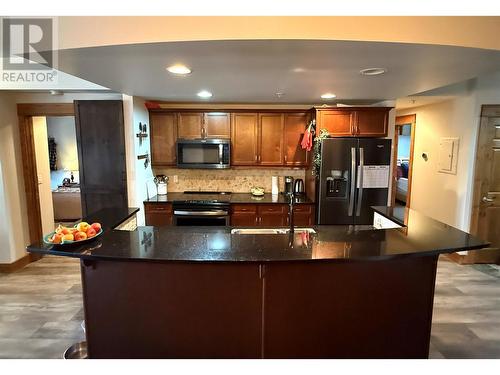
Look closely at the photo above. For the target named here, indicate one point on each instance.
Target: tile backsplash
(233, 180)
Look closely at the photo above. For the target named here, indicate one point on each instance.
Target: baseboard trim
(18, 264)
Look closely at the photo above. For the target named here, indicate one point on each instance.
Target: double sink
(270, 230)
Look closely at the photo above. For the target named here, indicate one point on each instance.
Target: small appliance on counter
(288, 185)
(298, 187)
(161, 184)
(274, 185)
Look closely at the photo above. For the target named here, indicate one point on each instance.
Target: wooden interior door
(244, 139)
(101, 154)
(486, 209)
(295, 126)
(190, 125)
(371, 123)
(217, 125)
(163, 129)
(338, 123)
(271, 139)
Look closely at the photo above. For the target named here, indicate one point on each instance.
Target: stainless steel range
(202, 208)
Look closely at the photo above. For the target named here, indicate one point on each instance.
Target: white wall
(440, 195)
(445, 197)
(137, 175)
(43, 172)
(14, 201)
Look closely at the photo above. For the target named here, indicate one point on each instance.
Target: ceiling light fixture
(372, 71)
(328, 95)
(179, 69)
(204, 94)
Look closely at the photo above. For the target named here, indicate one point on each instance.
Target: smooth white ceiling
(253, 71)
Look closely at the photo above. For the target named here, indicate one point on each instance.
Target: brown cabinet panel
(304, 215)
(371, 123)
(163, 131)
(272, 215)
(270, 139)
(295, 126)
(217, 125)
(190, 125)
(338, 122)
(243, 219)
(244, 138)
(158, 214)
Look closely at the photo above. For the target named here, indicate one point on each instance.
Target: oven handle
(201, 213)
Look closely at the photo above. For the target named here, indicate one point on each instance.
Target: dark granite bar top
(110, 218)
(229, 198)
(422, 236)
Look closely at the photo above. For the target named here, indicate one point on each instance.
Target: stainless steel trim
(221, 153)
(361, 165)
(353, 180)
(202, 213)
(203, 140)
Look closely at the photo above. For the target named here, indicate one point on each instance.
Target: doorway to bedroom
(404, 139)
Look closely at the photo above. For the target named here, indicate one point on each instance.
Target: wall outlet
(176, 179)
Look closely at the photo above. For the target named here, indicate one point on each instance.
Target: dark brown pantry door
(101, 154)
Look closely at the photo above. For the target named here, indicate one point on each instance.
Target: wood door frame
(25, 113)
(400, 121)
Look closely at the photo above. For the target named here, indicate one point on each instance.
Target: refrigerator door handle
(360, 179)
(353, 181)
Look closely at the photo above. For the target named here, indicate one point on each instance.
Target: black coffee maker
(288, 185)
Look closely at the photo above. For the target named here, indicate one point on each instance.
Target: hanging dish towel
(307, 140)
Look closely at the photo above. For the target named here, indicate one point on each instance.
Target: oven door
(194, 217)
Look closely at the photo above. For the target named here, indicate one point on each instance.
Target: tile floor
(41, 310)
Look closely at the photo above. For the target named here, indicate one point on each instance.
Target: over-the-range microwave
(203, 153)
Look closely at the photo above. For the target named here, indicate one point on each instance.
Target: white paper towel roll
(274, 184)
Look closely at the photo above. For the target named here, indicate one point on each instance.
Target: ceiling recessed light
(372, 71)
(299, 70)
(204, 94)
(179, 69)
(328, 95)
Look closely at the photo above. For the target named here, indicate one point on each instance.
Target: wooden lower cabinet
(243, 215)
(158, 214)
(271, 215)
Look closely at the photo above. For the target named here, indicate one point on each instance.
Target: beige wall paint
(13, 202)
(43, 172)
(440, 195)
(479, 32)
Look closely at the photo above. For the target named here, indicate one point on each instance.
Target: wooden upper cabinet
(217, 125)
(270, 139)
(338, 123)
(244, 138)
(163, 131)
(190, 125)
(371, 123)
(295, 126)
(353, 122)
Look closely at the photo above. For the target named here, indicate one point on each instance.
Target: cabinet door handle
(285, 158)
(256, 158)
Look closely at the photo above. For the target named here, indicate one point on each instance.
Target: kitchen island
(204, 292)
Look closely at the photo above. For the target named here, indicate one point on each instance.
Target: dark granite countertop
(230, 198)
(421, 237)
(110, 218)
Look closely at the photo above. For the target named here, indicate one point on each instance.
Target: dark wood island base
(301, 309)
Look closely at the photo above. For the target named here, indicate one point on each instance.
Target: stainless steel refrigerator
(354, 176)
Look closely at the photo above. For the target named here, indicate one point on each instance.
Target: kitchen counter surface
(395, 214)
(110, 218)
(229, 198)
(421, 236)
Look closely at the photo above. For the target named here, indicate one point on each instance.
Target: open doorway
(57, 168)
(404, 139)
